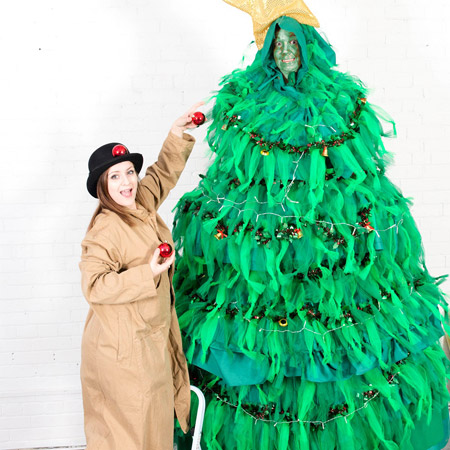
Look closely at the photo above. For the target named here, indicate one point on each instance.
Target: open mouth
(288, 60)
(127, 193)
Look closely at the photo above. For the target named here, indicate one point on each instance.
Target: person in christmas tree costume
(309, 318)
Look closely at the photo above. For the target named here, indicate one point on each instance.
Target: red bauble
(198, 118)
(119, 150)
(165, 250)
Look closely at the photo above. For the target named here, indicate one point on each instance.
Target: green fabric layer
(302, 292)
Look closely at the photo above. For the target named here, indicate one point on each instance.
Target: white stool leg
(199, 418)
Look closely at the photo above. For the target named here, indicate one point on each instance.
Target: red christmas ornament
(198, 118)
(119, 150)
(165, 250)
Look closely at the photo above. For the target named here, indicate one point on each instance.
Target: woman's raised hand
(158, 267)
(185, 121)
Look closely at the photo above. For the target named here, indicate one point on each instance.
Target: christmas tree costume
(309, 318)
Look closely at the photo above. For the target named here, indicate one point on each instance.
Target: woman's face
(122, 184)
(286, 52)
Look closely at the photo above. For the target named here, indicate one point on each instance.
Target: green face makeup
(286, 53)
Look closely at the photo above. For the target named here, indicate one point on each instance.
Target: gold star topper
(264, 12)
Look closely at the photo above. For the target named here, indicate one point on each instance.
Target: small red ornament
(119, 150)
(165, 250)
(220, 234)
(198, 118)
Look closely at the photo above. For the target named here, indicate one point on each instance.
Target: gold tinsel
(264, 12)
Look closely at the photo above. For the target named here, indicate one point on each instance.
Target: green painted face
(286, 53)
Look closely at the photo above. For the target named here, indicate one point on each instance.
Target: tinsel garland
(288, 231)
(334, 141)
(264, 412)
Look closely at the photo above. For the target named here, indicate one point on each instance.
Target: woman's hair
(105, 202)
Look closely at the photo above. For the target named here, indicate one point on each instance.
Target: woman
(133, 369)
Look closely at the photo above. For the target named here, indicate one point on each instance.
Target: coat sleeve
(104, 280)
(163, 175)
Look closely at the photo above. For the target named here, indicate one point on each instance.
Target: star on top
(264, 12)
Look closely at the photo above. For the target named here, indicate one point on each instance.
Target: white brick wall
(78, 74)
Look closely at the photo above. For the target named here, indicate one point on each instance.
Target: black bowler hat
(106, 156)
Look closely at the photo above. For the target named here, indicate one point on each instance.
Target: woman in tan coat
(133, 370)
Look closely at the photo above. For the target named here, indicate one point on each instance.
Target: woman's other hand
(158, 267)
(185, 121)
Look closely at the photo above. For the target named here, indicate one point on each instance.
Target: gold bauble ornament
(264, 12)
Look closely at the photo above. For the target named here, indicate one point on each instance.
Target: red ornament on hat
(165, 250)
(198, 118)
(119, 150)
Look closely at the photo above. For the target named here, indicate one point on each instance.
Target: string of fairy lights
(289, 187)
(311, 422)
(221, 201)
(305, 328)
(320, 423)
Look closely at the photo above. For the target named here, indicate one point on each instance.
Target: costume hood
(314, 51)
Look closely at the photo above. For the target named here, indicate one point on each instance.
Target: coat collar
(141, 213)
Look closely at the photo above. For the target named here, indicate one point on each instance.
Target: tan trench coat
(133, 369)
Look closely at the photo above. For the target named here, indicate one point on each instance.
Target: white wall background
(75, 75)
